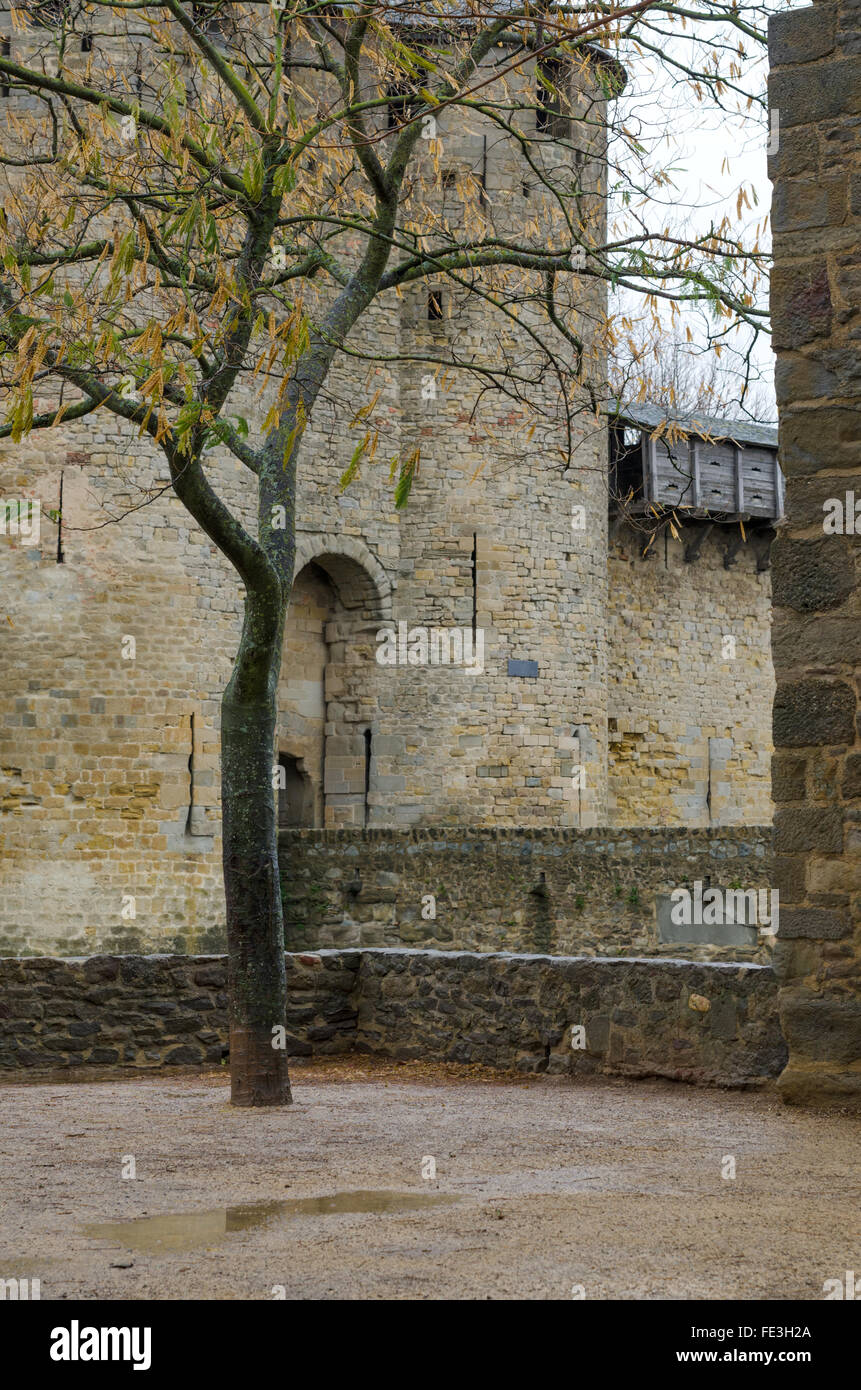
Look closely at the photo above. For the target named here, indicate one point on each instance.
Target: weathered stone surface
(500, 1009)
(816, 91)
(850, 786)
(811, 499)
(802, 204)
(815, 923)
(800, 305)
(815, 85)
(159, 1006)
(823, 1027)
(788, 777)
(628, 1009)
(811, 712)
(801, 36)
(813, 575)
(802, 378)
(802, 433)
(802, 829)
(815, 640)
(598, 888)
(790, 876)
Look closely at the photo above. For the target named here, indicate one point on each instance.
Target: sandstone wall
(109, 756)
(690, 685)
(815, 94)
(109, 753)
(708, 1023)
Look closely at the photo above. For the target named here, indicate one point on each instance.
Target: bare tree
(670, 368)
(205, 199)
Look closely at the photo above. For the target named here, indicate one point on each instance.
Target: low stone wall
(153, 1011)
(563, 892)
(711, 1023)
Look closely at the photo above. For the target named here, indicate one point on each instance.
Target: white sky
(713, 156)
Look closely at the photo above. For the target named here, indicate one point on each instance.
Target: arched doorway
(328, 713)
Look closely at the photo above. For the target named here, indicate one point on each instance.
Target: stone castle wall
(815, 91)
(560, 892)
(109, 756)
(708, 1024)
(690, 686)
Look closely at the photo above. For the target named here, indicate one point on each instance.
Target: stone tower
(118, 638)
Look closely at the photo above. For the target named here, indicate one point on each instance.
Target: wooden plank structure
(716, 470)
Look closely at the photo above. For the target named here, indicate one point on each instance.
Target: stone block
(804, 830)
(814, 92)
(801, 36)
(801, 308)
(813, 923)
(813, 712)
(813, 575)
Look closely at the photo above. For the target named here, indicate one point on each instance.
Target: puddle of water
(182, 1231)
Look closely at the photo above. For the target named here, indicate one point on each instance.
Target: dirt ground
(611, 1188)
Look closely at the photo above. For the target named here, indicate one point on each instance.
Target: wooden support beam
(694, 457)
(694, 546)
(738, 466)
(651, 455)
(762, 540)
(733, 546)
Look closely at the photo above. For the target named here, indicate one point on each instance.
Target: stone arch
(362, 582)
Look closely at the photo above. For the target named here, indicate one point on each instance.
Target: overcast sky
(713, 155)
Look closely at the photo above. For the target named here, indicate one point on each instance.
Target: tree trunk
(255, 929)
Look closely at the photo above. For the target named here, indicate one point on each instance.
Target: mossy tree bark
(255, 928)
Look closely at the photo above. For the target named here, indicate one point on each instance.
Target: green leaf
(352, 468)
(252, 177)
(285, 179)
(210, 235)
(408, 470)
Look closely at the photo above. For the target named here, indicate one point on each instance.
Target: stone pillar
(815, 100)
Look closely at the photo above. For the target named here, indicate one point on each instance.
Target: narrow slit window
(435, 305)
(474, 585)
(551, 112)
(367, 774)
(190, 817)
(61, 555)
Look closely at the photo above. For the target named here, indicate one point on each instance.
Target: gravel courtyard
(542, 1184)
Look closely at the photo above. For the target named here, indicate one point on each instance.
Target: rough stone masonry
(713, 1024)
(815, 96)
